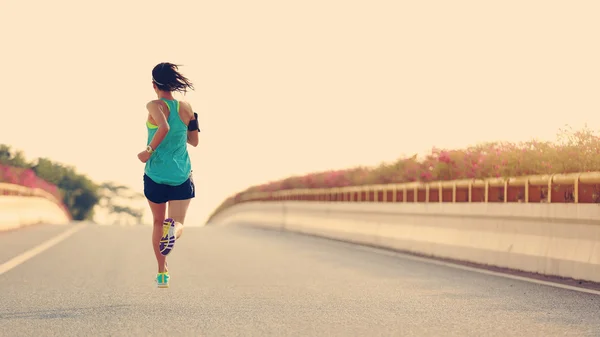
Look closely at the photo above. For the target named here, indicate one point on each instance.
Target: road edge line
(32, 252)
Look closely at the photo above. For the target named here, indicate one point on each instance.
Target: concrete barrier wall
(21, 211)
(550, 239)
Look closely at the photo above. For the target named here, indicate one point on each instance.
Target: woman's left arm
(192, 134)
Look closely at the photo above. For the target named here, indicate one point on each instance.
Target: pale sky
(287, 87)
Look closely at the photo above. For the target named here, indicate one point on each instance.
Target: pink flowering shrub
(27, 178)
(573, 151)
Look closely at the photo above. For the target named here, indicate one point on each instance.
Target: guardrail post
(487, 191)
(440, 192)
(404, 194)
(426, 192)
(576, 189)
(527, 190)
(550, 189)
(375, 194)
(471, 191)
(454, 192)
(416, 194)
(395, 191)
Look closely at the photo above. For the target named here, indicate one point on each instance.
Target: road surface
(234, 281)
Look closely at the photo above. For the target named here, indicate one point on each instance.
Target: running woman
(171, 125)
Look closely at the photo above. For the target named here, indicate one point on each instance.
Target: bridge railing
(493, 230)
(581, 187)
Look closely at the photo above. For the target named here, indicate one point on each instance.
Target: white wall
(17, 211)
(550, 239)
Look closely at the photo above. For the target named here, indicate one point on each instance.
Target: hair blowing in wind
(167, 77)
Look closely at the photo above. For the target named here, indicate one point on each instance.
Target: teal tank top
(170, 162)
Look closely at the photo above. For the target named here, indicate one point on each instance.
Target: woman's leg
(158, 215)
(177, 212)
(181, 196)
(157, 194)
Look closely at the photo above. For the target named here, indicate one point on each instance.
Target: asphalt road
(249, 282)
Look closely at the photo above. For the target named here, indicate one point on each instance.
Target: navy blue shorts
(161, 193)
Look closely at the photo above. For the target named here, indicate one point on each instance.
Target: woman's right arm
(161, 121)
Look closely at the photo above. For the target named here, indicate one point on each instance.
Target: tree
(79, 193)
(14, 159)
(110, 192)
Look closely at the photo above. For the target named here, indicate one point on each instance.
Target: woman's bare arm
(160, 120)
(192, 136)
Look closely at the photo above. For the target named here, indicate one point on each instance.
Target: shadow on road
(62, 313)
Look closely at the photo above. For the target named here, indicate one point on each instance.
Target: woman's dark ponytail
(167, 78)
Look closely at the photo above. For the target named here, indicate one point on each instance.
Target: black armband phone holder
(193, 125)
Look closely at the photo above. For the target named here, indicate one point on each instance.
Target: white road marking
(406, 256)
(23, 257)
(473, 269)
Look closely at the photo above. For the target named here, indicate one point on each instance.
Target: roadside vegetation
(78, 193)
(572, 151)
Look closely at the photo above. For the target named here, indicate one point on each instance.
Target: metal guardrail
(12, 189)
(551, 188)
